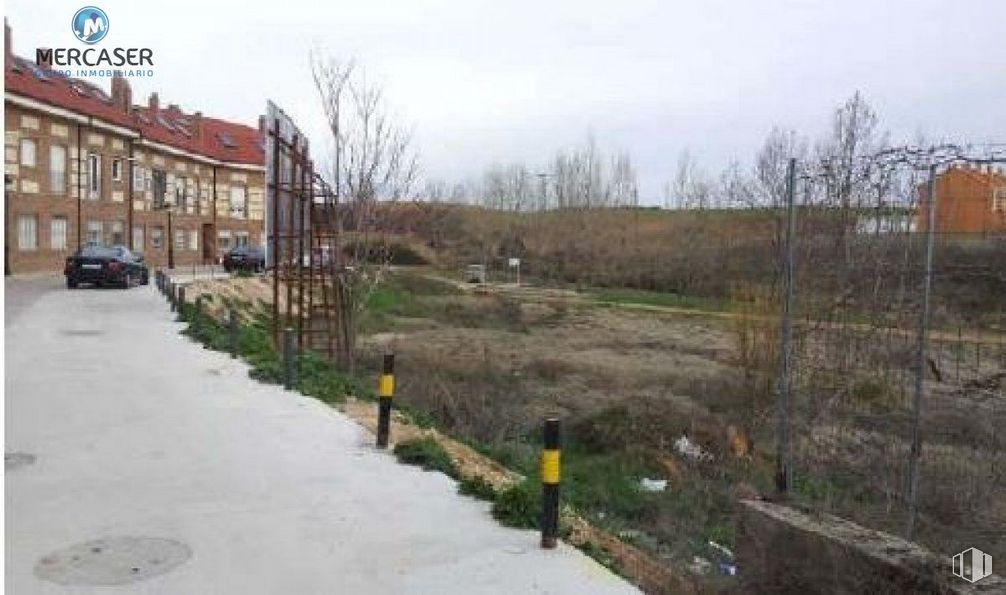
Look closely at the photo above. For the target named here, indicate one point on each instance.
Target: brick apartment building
(82, 165)
(970, 200)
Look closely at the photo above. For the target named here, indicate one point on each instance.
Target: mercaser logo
(972, 565)
(90, 24)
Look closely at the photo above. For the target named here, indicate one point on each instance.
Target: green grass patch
(315, 376)
(519, 505)
(477, 488)
(428, 454)
(663, 299)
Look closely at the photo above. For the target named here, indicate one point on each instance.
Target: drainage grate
(112, 561)
(13, 460)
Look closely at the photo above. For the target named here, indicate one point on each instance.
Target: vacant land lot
(631, 373)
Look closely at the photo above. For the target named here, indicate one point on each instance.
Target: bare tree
(331, 79)
(374, 160)
(691, 188)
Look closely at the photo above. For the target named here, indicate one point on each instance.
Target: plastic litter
(690, 450)
(652, 485)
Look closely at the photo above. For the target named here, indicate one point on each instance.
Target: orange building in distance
(969, 200)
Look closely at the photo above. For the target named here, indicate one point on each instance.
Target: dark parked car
(106, 265)
(244, 258)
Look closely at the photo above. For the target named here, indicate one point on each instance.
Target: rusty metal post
(277, 148)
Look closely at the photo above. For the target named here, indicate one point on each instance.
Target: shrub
(519, 505)
(428, 454)
(477, 487)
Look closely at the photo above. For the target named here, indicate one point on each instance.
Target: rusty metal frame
(304, 251)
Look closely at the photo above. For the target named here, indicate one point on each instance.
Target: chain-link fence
(892, 347)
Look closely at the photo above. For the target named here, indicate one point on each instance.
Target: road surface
(165, 469)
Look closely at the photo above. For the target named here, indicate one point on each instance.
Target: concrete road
(21, 291)
(194, 479)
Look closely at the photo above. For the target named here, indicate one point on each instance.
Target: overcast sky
(503, 81)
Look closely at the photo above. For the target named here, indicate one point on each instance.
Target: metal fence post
(550, 484)
(920, 371)
(784, 454)
(385, 392)
(289, 359)
(232, 325)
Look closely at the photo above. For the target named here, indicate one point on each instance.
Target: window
(160, 183)
(117, 170)
(138, 238)
(196, 202)
(118, 234)
(27, 232)
(239, 205)
(94, 232)
(224, 240)
(57, 233)
(999, 199)
(180, 239)
(94, 175)
(194, 240)
(180, 198)
(57, 169)
(138, 178)
(27, 152)
(157, 238)
(241, 239)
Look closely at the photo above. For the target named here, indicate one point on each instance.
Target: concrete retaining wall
(781, 550)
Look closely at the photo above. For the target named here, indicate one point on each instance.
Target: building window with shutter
(160, 187)
(194, 240)
(224, 240)
(181, 200)
(239, 203)
(138, 238)
(27, 232)
(180, 239)
(57, 233)
(117, 170)
(57, 169)
(157, 238)
(94, 176)
(28, 157)
(117, 234)
(95, 229)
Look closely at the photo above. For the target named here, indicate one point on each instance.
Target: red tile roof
(218, 139)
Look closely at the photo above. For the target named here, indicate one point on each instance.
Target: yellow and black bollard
(550, 484)
(232, 331)
(385, 391)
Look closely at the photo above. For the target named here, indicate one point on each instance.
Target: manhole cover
(112, 561)
(69, 332)
(13, 460)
